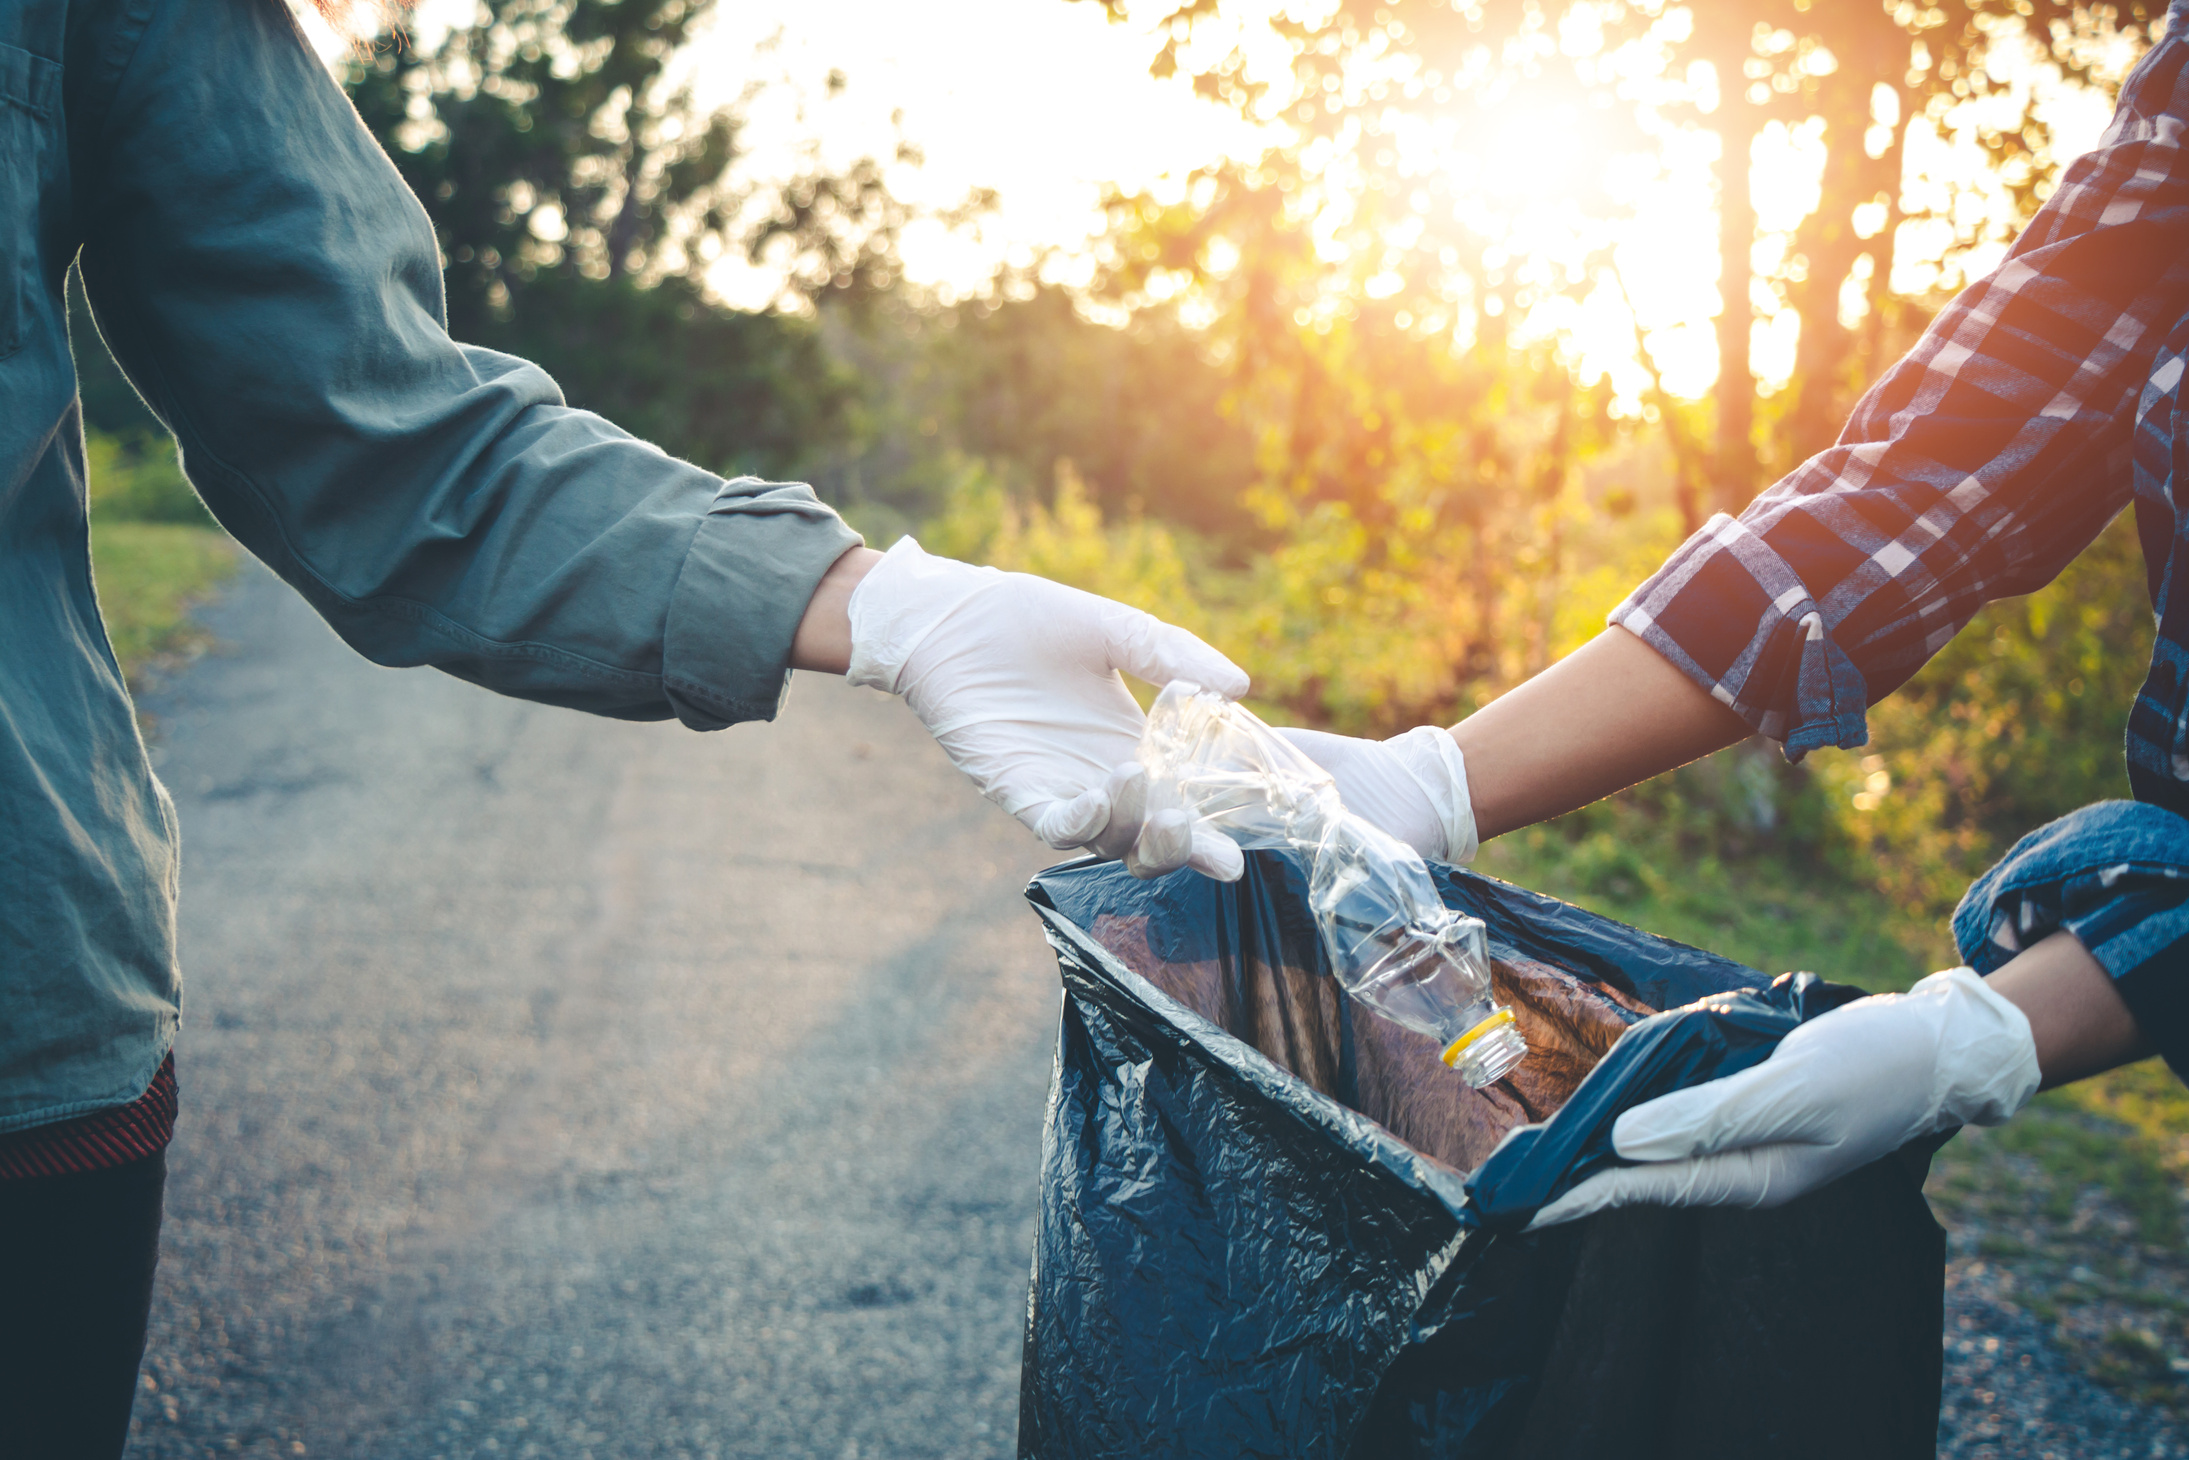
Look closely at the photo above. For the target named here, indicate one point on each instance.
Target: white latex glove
(1840, 1091)
(1017, 678)
(1413, 786)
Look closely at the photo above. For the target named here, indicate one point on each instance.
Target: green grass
(149, 574)
(154, 548)
(1770, 916)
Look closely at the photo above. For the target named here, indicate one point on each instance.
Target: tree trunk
(1827, 245)
(1738, 124)
(1831, 364)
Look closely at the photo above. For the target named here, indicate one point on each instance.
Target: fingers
(1147, 648)
(1127, 789)
(1761, 1176)
(1216, 855)
(1154, 845)
(1172, 839)
(1164, 845)
(1114, 822)
(1073, 823)
(1600, 1192)
(1774, 1102)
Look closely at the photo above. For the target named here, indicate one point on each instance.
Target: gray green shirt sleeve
(269, 283)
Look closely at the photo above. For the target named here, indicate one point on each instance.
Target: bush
(2020, 720)
(139, 479)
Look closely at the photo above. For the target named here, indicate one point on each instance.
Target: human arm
(823, 640)
(1975, 469)
(270, 285)
(1612, 713)
(2079, 1024)
(1859, 1082)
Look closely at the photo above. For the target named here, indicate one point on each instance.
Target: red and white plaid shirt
(1975, 469)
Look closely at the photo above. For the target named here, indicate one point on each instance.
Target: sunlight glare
(1534, 150)
(1609, 252)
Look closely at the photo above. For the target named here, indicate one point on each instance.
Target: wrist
(1432, 757)
(823, 639)
(1987, 1053)
(905, 596)
(2077, 1018)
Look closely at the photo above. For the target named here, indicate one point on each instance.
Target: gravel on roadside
(2012, 1394)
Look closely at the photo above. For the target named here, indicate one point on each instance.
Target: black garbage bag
(1716, 1036)
(1255, 1237)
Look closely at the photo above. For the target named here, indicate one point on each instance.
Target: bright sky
(1041, 100)
(1045, 101)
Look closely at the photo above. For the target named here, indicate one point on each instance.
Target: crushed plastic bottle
(1392, 942)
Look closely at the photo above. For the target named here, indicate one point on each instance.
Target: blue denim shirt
(2116, 876)
(261, 272)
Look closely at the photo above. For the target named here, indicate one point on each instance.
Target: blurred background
(1386, 345)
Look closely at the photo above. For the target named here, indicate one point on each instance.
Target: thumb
(1147, 648)
(1216, 855)
(1766, 1176)
(1770, 1103)
(1615, 1188)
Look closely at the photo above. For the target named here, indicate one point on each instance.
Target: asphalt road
(560, 1087)
(565, 1087)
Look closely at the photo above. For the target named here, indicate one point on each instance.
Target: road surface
(566, 1087)
(560, 1087)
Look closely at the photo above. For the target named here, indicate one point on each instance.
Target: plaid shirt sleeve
(1975, 469)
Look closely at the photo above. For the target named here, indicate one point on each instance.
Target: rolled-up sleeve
(1975, 469)
(269, 283)
(2116, 876)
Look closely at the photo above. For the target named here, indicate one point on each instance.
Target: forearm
(265, 278)
(823, 641)
(1610, 714)
(2076, 1016)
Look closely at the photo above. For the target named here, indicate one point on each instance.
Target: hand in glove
(1840, 1091)
(1413, 786)
(1017, 678)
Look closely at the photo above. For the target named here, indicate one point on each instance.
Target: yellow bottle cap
(1458, 1046)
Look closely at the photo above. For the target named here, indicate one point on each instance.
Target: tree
(1023, 380)
(579, 197)
(1865, 74)
(1860, 74)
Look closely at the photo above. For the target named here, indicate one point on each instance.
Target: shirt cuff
(760, 551)
(2116, 875)
(1735, 617)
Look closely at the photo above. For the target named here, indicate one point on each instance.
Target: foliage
(110, 403)
(1768, 912)
(1361, 83)
(578, 196)
(1136, 561)
(2019, 720)
(1020, 382)
(148, 575)
(155, 550)
(735, 392)
(137, 478)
